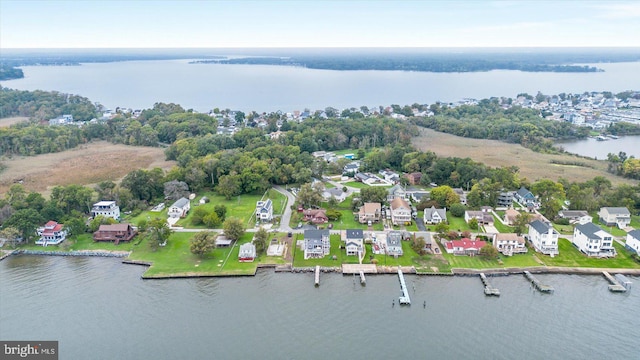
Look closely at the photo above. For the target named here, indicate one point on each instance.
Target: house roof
(589, 230)
(265, 205)
(395, 188)
(104, 203)
(635, 234)
(222, 240)
(371, 207)
(399, 202)
(524, 192)
(180, 203)
(468, 244)
(474, 213)
(509, 237)
(354, 234)
(511, 213)
(428, 213)
(337, 192)
(617, 210)
(573, 213)
(315, 234)
(394, 238)
(114, 227)
(539, 226)
(247, 249)
(425, 235)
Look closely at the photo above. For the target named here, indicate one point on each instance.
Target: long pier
(489, 290)
(537, 284)
(404, 299)
(317, 282)
(615, 286)
(363, 281)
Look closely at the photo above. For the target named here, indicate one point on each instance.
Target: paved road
(420, 224)
(286, 215)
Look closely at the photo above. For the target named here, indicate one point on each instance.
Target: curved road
(286, 214)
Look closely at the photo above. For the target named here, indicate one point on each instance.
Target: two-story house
(435, 216)
(618, 216)
(51, 233)
(264, 210)
(180, 208)
(593, 241)
(576, 216)
(397, 191)
(525, 197)
(509, 243)
(369, 212)
(400, 211)
(115, 233)
(394, 243)
(107, 209)
(633, 241)
(354, 241)
(543, 237)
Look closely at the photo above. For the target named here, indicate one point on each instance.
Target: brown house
(315, 216)
(115, 233)
(414, 178)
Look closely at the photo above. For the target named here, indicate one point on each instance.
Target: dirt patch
(534, 166)
(84, 165)
(6, 122)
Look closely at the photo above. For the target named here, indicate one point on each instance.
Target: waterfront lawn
(505, 229)
(470, 262)
(457, 224)
(327, 261)
(570, 256)
(81, 242)
(519, 260)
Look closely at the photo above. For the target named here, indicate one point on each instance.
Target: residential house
(593, 241)
(414, 178)
(509, 243)
(354, 241)
(390, 176)
(369, 179)
(400, 211)
(247, 252)
(397, 191)
(435, 216)
(335, 193)
(394, 243)
(315, 216)
(316, 243)
(369, 212)
(62, 120)
(223, 241)
(180, 208)
(505, 199)
(418, 195)
(619, 216)
(510, 216)
(107, 209)
(525, 197)
(51, 233)
(543, 237)
(633, 241)
(576, 216)
(482, 217)
(115, 233)
(264, 210)
(351, 168)
(428, 242)
(464, 246)
(462, 195)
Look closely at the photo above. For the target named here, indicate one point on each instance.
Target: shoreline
(288, 268)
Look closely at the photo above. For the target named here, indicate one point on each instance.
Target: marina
(537, 284)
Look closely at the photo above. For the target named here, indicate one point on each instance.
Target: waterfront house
(354, 241)
(108, 209)
(400, 212)
(315, 216)
(593, 241)
(426, 236)
(509, 243)
(115, 233)
(180, 208)
(394, 243)
(619, 216)
(264, 210)
(369, 212)
(316, 243)
(397, 191)
(464, 246)
(576, 216)
(51, 233)
(543, 237)
(247, 252)
(633, 241)
(435, 216)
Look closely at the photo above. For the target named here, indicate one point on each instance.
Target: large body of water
(98, 308)
(599, 149)
(202, 87)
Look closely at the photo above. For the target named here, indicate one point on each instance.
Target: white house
(400, 212)
(180, 208)
(435, 216)
(335, 193)
(633, 241)
(543, 238)
(247, 252)
(397, 191)
(592, 240)
(51, 233)
(264, 210)
(354, 242)
(619, 216)
(107, 209)
(576, 216)
(316, 243)
(394, 243)
(509, 243)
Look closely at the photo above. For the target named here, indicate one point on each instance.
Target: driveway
(286, 215)
(420, 224)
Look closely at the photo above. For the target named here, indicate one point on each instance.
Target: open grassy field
(534, 166)
(6, 122)
(86, 164)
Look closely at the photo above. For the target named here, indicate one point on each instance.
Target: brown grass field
(6, 122)
(85, 165)
(532, 165)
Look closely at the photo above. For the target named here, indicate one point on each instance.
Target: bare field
(87, 164)
(6, 122)
(532, 165)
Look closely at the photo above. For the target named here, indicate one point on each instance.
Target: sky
(240, 24)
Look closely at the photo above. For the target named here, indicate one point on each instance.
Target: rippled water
(101, 309)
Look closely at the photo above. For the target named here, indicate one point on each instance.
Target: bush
(562, 221)
(457, 210)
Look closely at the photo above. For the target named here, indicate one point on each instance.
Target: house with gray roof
(435, 216)
(264, 210)
(397, 191)
(180, 208)
(394, 243)
(618, 216)
(316, 244)
(633, 241)
(354, 241)
(576, 216)
(593, 241)
(525, 197)
(247, 252)
(335, 193)
(543, 237)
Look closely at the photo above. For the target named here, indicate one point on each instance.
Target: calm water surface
(599, 149)
(101, 309)
(202, 87)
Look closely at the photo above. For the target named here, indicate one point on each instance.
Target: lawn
(570, 256)
(613, 230)
(457, 224)
(327, 261)
(502, 227)
(81, 242)
(563, 229)
(477, 262)
(355, 184)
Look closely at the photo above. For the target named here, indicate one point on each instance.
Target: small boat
(601, 138)
(613, 136)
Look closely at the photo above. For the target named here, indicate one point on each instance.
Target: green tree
(221, 211)
(75, 225)
(488, 252)
(418, 244)
(309, 195)
(10, 234)
(457, 210)
(26, 221)
(445, 196)
(548, 192)
(260, 240)
(198, 215)
(202, 243)
(522, 220)
(442, 228)
(233, 228)
(211, 220)
(374, 194)
(158, 233)
(229, 186)
(473, 224)
(95, 223)
(333, 214)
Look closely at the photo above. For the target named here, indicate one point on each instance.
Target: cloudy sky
(207, 24)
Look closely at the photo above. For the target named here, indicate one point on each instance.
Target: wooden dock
(363, 281)
(317, 275)
(537, 284)
(404, 298)
(489, 290)
(615, 286)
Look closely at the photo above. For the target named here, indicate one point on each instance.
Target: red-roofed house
(464, 246)
(51, 233)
